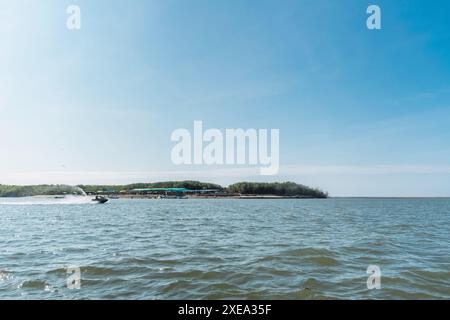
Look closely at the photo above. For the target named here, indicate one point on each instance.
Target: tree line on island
(276, 188)
(38, 190)
(290, 189)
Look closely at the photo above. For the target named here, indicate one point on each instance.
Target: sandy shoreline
(248, 197)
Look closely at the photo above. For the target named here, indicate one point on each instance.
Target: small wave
(149, 261)
(322, 261)
(275, 272)
(303, 294)
(318, 256)
(5, 276)
(179, 285)
(34, 284)
(309, 252)
(199, 274)
(440, 276)
(311, 283)
(401, 226)
(431, 277)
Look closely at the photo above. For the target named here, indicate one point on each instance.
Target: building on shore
(178, 192)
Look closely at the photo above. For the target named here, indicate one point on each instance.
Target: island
(173, 189)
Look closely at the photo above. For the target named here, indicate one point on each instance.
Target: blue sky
(360, 112)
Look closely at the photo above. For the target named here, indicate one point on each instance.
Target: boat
(100, 199)
(172, 197)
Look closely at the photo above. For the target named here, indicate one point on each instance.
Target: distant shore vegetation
(188, 184)
(38, 190)
(287, 189)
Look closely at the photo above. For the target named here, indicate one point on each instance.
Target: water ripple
(224, 249)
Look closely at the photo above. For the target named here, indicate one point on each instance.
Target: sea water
(224, 249)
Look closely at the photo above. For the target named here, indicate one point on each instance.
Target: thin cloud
(286, 172)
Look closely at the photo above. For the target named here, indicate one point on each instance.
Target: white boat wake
(48, 200)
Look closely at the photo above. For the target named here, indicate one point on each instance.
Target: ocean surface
(224, 249)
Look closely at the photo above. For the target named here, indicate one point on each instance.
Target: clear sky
(360, 112)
